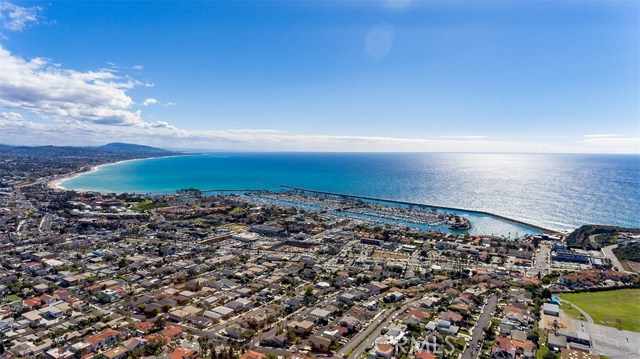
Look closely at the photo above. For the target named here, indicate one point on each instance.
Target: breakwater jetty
(419, 205)
(228, 190)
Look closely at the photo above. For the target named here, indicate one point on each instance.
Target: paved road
(359, 344)
(542, 260)
(608, 252)
(585, 314)
(478, 332)
(353, 343)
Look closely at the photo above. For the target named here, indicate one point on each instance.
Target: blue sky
(506, 76)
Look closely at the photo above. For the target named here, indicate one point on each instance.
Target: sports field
(614, 308)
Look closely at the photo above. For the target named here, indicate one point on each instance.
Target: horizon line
(206, 151)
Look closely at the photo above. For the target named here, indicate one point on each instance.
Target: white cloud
(465, 137)
(16, 129)
(13, 125)
(52, 92)
(138, 67)
(601, 135)
(150, 101)
(11, 116)
(252, 130)
(162, 134)
(273, 140)
(611, 143)
(18, 18)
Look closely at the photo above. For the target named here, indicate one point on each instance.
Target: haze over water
(556, 191)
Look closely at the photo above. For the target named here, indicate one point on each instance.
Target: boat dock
(420, 205)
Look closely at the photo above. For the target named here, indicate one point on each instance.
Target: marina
(384, 212)
(412, 205)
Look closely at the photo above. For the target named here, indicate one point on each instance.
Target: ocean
(555, 191)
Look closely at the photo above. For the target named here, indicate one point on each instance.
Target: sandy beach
(57, 182)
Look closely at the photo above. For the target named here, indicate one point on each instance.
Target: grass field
(571, 311)
(614, 308)
(145, 205)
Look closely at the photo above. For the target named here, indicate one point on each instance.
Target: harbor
(422, 206)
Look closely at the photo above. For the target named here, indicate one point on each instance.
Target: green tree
(159, 324)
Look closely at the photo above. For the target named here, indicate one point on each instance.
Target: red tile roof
(423, 354)
(102, 336)
(156, 337)
(32, 302)
(386, 349)
(252, 354)
(172, 331)
(454, 317)
(144, 326)
(182, 353)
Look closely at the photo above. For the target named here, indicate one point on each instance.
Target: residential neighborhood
(250, 276)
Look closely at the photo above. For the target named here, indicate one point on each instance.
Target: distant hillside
(596, 236)
(127, 147)
(630, 252)
(130, 150)
(44, 161)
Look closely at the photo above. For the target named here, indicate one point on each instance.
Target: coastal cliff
(597, 236)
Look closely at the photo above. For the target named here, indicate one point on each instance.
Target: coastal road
(608, 252)
(478, 332)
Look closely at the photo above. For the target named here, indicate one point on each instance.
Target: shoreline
(56, 183)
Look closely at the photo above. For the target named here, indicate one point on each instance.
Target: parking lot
(611, 342)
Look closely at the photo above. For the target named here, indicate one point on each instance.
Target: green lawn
(571, 311)
(614, 308)
(145, 205)
(13, 298)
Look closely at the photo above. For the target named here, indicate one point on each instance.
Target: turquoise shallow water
(554, 191)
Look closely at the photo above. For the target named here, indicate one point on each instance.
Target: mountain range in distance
(118, 148)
